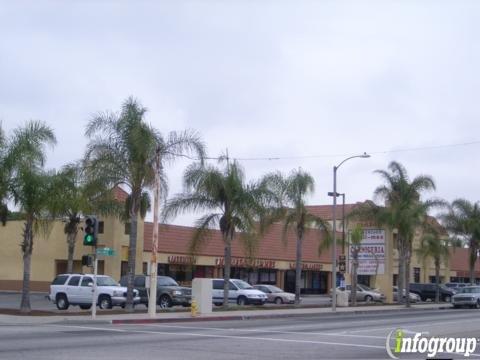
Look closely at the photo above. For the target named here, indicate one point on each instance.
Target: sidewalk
(214, 316)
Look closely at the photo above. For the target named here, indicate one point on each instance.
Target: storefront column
(280, 279)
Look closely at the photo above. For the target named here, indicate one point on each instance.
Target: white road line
(220, 336)
(400, 325)
(261, 331)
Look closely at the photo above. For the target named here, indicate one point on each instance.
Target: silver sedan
(276, 295)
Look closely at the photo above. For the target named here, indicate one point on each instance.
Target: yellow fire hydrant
(194, 308)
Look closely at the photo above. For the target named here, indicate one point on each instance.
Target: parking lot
(39, 301)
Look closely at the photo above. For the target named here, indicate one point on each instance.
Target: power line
(299, 157)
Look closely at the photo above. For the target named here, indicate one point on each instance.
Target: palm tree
(31, 189)
(463, 219)
(231, 204)
(403, 212)
(355, 241)
(434, 245)
(122, 150)
(76, 197)
(291, 192)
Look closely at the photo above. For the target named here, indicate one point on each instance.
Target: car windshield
(106, 281)
(274, 289)
(470, 290)
(167, 281)
(364, 287)
(242, 284)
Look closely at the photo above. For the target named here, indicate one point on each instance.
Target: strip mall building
(274, 262)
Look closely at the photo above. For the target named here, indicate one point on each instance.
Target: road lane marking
(221, 336)
(261, 331)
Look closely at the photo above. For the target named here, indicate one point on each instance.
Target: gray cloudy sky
(263, 78)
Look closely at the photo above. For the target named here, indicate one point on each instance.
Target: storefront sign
(371, 257)
(244, 262)
(184, 260)
(308, 266)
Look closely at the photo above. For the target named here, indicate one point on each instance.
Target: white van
(240, 292)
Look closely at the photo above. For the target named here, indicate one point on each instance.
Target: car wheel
(477, 304)
(62, 302)
(447, 298)
(368, 299)
(456, 306)
(278, 300)
(217, 304)
(165, 302)
(242, 300)
(105, 302)
(85, 307)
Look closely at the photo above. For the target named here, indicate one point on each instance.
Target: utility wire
(272, 158)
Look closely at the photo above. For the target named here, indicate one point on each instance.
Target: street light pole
(334, 245)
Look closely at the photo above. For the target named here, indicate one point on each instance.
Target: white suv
(239, 292)
(76, 289)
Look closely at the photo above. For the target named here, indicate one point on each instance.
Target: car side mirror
(90, 284)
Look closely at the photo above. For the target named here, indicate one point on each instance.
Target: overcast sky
(311, 82)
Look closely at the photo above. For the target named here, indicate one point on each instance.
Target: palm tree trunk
(408, 256)
(132, 249)
(437, 280)
(27, 247)
(354, 277)
(401, 271)
(472, 261)
(298, 267)
(227, 268)
(71, 249)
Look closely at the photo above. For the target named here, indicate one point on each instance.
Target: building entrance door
(290, 281)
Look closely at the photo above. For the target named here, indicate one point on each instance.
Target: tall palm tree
(122, 150)
(403, 211)
(31, 188)
(291, 192)
(355, 241)
(78, 196)
(231, 204)
(463, 219)
(436, 246)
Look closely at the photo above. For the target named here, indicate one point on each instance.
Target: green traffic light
(88, 239)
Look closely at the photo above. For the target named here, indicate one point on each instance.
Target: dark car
(427, 291)
(169, 293)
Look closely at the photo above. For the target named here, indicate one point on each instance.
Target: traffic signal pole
(94, 287)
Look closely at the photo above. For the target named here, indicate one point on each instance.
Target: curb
(267, 316)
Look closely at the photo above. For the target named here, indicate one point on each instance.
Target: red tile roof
(459, 260)
(175, 239)
(325, 211)
(120, 194)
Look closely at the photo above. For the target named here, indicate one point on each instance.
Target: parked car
(239, 292)
(456, 285)
(364, 293)
(427, 291)
(169, 293)
(276, 295)
(468, 296)
(413, 297)
(76, 289)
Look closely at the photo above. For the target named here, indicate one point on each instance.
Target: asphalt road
(333, 336)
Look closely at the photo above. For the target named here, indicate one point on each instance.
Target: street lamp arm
(364, 155)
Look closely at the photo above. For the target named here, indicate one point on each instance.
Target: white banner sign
(371, 257)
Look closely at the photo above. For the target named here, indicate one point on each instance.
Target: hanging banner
(371, 257)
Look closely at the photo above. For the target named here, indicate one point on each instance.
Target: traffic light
(90, 231)
(87, 260)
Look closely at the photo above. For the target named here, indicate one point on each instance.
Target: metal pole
(334, 245)
(152, 300)
(94, 288)
(343, 223)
